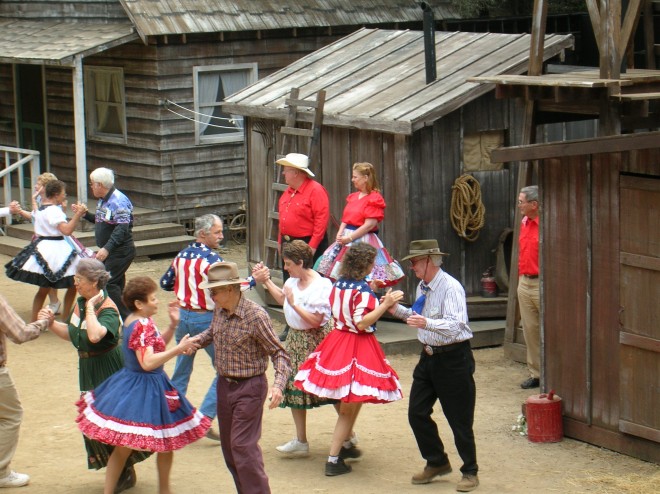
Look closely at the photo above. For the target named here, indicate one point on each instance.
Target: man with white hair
(188, 270)
(445, 369)
(113, 231)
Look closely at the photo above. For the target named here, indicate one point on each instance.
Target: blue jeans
(194, 323)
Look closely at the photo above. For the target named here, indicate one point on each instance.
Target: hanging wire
(232, 120)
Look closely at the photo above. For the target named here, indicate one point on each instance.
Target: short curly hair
(93, 270)
(357, 261)
(297, 251)
(138, 289)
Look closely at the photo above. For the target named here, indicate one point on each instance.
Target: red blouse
(358, 210)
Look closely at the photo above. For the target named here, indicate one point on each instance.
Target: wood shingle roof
(376, 79)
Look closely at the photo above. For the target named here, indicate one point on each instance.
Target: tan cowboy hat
(298, 161)
(420, 248)
(222, 273)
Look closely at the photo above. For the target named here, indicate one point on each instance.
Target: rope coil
(467, 211)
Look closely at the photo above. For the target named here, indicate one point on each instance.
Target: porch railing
(17, 160)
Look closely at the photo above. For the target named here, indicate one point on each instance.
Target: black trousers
(447, 377)
(117, 263)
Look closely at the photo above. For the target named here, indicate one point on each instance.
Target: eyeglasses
(525, 202)
(415, 260)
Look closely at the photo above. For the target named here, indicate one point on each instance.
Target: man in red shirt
(304, 209)
(528, 281)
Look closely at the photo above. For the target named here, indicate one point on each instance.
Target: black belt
(434, 350)
(236, 380)
(51, 238)
(531, 276)
(82, 354)
(289, 238)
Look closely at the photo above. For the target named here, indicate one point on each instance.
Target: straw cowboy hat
(420, 248)
(298, 161)
(222, 273)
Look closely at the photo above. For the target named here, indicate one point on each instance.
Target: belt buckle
(287, 238)
(428, 349)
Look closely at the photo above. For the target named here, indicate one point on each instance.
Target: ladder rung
(271, 244)
(280, 187)
(294, 131)
(310, 103)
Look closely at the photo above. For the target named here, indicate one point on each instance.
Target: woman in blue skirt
(137, 408)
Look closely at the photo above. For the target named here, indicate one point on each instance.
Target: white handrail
(23, 157)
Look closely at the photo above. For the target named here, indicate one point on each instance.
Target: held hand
(14, 207)
(392, 297)
(102, 254)
(275, 398)
(187, 345)
(173, 312)
(46, 314)
(261, 274)
(416, 321)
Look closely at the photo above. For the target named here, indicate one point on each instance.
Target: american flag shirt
(189, 268)
(350, 301)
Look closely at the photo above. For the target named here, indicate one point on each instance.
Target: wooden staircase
(151, 239)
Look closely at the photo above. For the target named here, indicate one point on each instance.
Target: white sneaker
(354, 439)
(294, 448)
(55, 307)
(15, 480)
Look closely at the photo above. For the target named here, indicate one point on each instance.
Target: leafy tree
(508, 8)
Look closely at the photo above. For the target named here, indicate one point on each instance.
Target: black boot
(127, 479)
(284, 333)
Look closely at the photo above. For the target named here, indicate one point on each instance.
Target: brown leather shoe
(468, 483)
(429, 473)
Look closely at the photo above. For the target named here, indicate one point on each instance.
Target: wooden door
(639, 335)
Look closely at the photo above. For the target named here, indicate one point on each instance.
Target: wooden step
(147, 245)
(143, 232)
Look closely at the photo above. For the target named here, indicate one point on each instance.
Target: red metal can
(544, 422)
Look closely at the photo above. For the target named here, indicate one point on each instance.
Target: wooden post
(79, 130)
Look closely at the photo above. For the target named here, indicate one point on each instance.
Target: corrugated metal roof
(203, 16)
(376, 79)
(56, 43)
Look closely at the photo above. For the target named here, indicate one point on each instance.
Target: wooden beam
(649, 41)
(79, 130)
(610, 58)
(594, 15)
(611, 144)
(629, 25)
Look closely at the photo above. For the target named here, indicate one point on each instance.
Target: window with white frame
(105, 103)
(212, 85)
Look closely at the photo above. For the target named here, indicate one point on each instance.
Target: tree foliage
(509, 8)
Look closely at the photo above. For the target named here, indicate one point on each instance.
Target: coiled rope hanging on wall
(467, 211)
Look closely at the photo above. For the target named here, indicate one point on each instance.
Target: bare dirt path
(51, 449)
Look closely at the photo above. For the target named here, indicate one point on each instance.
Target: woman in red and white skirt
(349, 364)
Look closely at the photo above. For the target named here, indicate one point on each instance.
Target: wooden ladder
(292, 139)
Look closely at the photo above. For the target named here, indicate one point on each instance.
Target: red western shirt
(304, 212)
(528, 255)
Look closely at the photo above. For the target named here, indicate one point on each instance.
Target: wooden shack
(420, 137)
(135, 85)
(601, 286)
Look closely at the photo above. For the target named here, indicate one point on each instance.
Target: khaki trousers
(530, 311)
(11, 414)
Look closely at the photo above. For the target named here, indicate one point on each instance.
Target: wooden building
(601, 286)
(420, 137)
(129, 84)
(600, 232)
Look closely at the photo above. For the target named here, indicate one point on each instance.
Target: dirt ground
(51, 449)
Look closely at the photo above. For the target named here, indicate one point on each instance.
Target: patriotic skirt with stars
(350, 367)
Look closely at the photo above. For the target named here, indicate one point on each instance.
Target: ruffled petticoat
(385, 268)
(349, 367)
(45, 262)
(141, 411)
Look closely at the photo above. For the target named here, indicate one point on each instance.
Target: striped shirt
(189, 268)
(244, 340)
(350, 301)
(445, 311)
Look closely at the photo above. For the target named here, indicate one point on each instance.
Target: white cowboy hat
(298, 161)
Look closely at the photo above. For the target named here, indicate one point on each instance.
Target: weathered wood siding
(7, 106)
(160, 167)
(581, 294)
